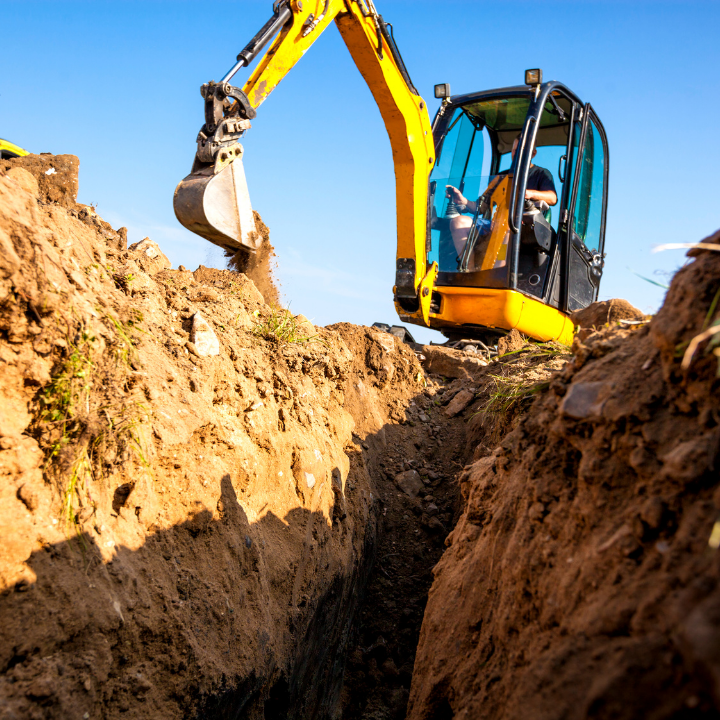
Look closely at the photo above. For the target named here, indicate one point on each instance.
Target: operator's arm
(549, 196)
(459, 199)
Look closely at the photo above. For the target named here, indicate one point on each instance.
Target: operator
(540, 188)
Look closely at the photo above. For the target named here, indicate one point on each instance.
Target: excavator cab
(523, 265)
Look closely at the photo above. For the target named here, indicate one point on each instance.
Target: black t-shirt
(540, 179)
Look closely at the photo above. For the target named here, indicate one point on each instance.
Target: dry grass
(282, 327)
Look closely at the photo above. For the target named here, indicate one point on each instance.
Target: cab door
(584, 228)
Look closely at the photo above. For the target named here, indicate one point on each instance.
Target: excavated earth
(210, 508)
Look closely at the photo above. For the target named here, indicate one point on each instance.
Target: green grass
(71, 384)
(85, 421)
(509, 393)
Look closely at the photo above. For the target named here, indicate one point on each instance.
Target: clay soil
(203, 518)
(582, 578)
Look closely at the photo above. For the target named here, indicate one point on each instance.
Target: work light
(533, 77)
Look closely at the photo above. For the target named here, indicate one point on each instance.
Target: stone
(304, 326)
(652, 512)
(432, 509)
(584, 400)
(149, 256)
(203, 337)
(451, 363)
(433, 524)
(410, 483)
(459, 402)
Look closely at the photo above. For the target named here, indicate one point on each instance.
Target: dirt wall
(581, 580)
(187, 514)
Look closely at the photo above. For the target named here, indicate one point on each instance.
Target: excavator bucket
(214, 202)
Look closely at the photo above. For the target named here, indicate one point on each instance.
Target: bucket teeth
(216, 206)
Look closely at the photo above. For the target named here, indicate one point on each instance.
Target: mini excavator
(522, 264)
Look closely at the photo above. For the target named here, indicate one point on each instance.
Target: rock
(511, 342)
(149, 256)
(25, 180)
(203, 337)
(432, 509)
(459, 402)
(584, 400)
(691, 459)
(451, 363)
(433, 524)
(423, 418)
(410, 482)
(385, 340)
(652, 512)
(389, 669)
(605, 312)
(308, 469)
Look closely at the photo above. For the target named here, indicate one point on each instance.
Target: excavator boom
(213, 200)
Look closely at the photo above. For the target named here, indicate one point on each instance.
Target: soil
(260, 265)
(199, 519)
(184, 535)
(582, 578)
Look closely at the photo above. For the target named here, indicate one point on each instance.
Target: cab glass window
(587, 222)
(473, 238)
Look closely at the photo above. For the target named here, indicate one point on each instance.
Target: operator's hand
(455, 195)
(547, 196)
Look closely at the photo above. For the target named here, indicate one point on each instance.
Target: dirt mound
(56, 176)
(258, 266)
(188, 506)
(606, 312)
(210, 508)
(582, 579)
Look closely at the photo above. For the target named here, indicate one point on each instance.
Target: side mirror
(442, 91)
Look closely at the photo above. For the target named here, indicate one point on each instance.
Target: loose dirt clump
(582, 579)
(607, 312)
(56, 177)
(258, 266)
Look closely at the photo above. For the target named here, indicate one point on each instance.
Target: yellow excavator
(10, 150)
(498, 260)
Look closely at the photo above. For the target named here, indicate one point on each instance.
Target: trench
(355, 659)
(410, 540)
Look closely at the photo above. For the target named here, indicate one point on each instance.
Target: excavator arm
(213, 200)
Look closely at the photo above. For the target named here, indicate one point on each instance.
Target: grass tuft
(282, 327)
(85, 422)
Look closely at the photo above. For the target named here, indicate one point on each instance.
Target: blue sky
(116, 83)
